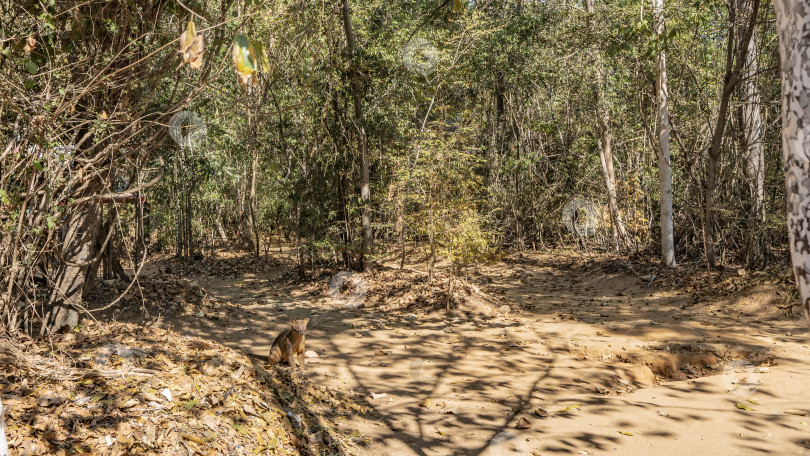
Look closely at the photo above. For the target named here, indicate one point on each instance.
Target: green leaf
(38, 165)
(47, 21)
(3, 197)
(191, 404)
(31, 66)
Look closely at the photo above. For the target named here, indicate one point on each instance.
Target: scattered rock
(396, 425)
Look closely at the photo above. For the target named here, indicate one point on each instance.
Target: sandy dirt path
(573, 359)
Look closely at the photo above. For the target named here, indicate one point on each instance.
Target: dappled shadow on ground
(573, 358)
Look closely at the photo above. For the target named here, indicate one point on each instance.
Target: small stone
(396, 426)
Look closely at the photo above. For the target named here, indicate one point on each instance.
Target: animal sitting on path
(289, 344)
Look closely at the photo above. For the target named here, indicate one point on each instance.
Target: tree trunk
(254, 169)
(792, 18)
(220, 229)
(357, 89)
(605, 149)
(77, 250)
(731, 78)
(751, 141)
(3, 442)
(606, 159)
(664, 162)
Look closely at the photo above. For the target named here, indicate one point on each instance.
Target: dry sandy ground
(574, 359)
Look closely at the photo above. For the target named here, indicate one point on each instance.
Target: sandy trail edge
(483, 374)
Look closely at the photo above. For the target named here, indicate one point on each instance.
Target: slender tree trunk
(606, 159)
(664, 162)
(220, 229)
(792, 18)
(357, 89)
(3, 442)
(731, 79)
(254, 169)
(605, 149)
(751, 141)
(189, 233)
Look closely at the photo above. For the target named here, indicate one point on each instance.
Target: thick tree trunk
(751, 141)
(77, 250)
(362, 143)
(664, 162)
(792, 18)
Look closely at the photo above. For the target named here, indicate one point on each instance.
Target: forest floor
(546, 353)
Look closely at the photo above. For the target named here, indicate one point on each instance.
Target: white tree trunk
(792, 19)
(752, 146)
(664, 164)
(3, 442)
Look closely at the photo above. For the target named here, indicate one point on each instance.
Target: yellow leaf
(261, 55)
(625, 433)
(570, 408)
(244, 59)
(193, 438)
(743, 407)
(456, 6)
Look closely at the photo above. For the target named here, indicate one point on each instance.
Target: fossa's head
(299, 326)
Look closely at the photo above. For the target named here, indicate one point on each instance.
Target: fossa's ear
(305, 320)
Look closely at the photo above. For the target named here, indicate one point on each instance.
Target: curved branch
(130, 192)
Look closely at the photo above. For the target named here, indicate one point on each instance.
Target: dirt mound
(768, 294)
(394, 289)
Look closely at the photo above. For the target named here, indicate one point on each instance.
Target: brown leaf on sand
(523, 423)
